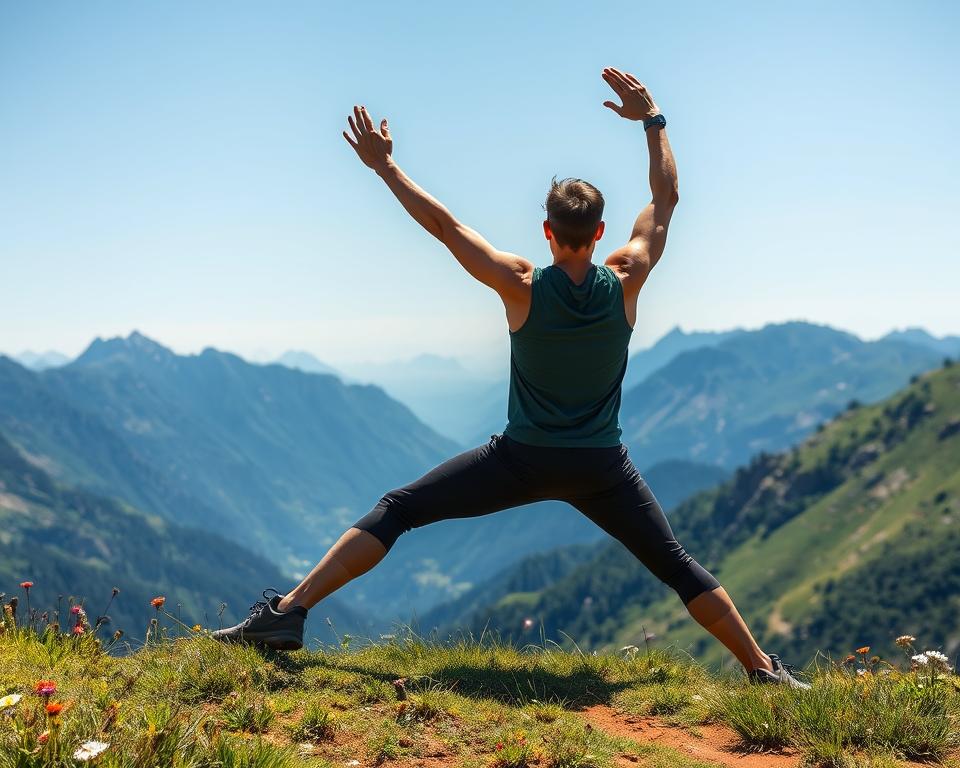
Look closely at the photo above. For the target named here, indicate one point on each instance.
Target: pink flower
(45, 688)
(78, 630)
(75, 609)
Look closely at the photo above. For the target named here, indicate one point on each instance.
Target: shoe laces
(788, 668)
(258, 606)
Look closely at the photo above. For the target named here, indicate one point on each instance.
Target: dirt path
(716, 744)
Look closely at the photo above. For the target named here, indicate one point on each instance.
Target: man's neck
(576, 266)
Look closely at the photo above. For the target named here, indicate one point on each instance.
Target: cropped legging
(602, 483)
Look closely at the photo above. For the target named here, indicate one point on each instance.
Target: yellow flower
(196, 627)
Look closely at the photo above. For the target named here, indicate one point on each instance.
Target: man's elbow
(668, 197)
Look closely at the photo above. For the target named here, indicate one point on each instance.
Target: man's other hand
(372, 146)
(637, 104)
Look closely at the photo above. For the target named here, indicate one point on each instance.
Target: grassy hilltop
(194, 703)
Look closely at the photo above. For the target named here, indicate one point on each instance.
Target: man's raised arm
(634, 260)
(506, 273)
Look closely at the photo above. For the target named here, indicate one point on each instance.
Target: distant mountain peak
(136, 346)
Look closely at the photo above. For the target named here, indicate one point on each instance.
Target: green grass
(194, 703)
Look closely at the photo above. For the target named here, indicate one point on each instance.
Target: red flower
(499, 745)
(26, 585)
(158, 602)
(863, 651)
(54, 708)
(75, 609)
(45, 688)
(78, 630)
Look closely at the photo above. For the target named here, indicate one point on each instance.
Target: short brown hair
(574, 209)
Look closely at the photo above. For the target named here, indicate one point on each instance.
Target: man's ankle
(286, 603)
(761, 661)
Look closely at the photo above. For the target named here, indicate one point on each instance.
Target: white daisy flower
(920, 659)
(10, 701)
(89, 750)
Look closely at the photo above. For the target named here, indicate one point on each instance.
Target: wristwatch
(658, 120)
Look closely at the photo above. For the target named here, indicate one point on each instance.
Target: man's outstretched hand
(373, 146)
(637, 104)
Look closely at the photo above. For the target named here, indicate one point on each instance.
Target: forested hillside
(73, 544)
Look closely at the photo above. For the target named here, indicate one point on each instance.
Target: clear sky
(178, 168)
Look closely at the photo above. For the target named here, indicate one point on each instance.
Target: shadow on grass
(579, 688)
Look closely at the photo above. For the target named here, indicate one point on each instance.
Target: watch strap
(658, 120)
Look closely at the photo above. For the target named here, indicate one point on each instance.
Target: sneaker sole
(277, 642)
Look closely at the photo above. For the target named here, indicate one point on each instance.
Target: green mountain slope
(848, 540)
(760, 391)
(72, 542)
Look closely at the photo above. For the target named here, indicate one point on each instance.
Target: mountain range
(280, 461)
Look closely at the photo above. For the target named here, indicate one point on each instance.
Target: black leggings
(600, 482)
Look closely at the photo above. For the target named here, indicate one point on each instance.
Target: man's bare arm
(634, 260)
(506, 273)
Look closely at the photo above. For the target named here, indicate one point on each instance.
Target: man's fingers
(612, 81)
(367, 122)
(350, 141)
(358, 134)
(616, 76)
(614, 107)
(384, 128)
(359, 121)
(636, 83)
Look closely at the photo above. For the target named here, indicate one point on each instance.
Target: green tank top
(567, 361)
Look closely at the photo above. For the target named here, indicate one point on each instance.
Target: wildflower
(42, 738)
(54, 708)
(158, 602)
(89, 750)
(849, 658)
(10, 701)
(26, 585)
(76, 610)
(938, 659)
(920, 659)
(78, 630)
(196, 627)
(861, 672)
(499, 745)
(45, 688)
(114, 592)
(117, 635)
(864, 651)
(905, 641)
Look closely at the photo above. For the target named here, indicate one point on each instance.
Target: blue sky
(178, 167)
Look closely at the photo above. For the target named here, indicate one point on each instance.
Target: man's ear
(546, 230)
(600, 229)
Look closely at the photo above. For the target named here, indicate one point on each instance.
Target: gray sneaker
(783, 674)
(269, 626)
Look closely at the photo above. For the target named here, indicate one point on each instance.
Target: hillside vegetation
(194, 703)
(76, 546)
(848, 540)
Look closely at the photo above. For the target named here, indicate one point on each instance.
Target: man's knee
(686, 576)
(388, 520)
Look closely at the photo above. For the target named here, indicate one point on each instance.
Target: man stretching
(569, 324)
